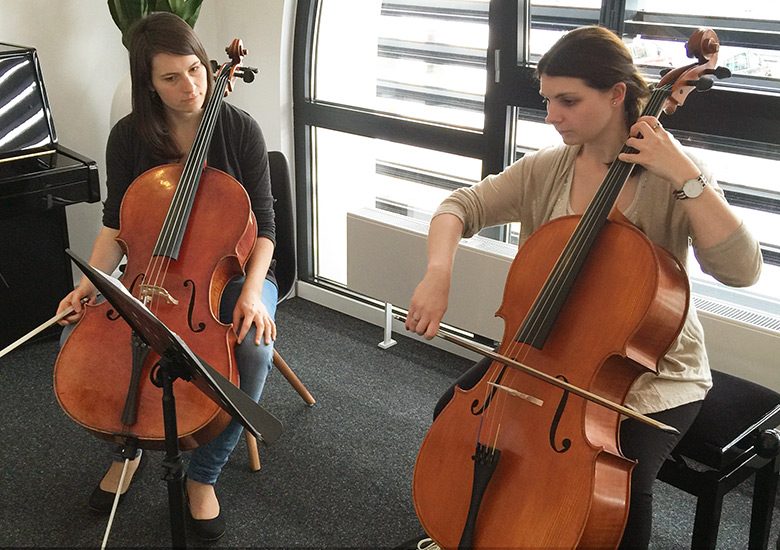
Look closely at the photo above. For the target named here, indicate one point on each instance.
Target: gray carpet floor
(338, 477)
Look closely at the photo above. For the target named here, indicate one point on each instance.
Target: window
(411, 74)
(425, 96)
(655, 32)
(352, 172)
(403, 59)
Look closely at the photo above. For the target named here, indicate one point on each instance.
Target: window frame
(727, 118)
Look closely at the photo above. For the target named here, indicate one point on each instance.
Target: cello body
(93, 370)
(561, 480)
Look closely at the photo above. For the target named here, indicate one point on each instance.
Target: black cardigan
(237, 148)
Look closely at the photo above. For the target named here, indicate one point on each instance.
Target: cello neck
(542, 315)
(619, 172)
(172, 233)
(196, 158)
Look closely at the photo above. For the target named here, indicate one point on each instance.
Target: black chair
(732, 439)
(285, 270)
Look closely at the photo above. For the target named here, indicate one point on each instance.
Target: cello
(591, 302)
(178, 266)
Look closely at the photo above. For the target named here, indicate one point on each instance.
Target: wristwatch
(691, 188)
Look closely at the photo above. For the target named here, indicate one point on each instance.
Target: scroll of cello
(515, 461)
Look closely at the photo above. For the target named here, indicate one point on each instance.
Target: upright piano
(38, 179)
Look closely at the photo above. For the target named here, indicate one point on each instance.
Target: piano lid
(26, 124)
(47, 181)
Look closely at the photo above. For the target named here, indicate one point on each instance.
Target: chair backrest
(284, 253)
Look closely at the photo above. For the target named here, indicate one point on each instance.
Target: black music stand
(178, 361)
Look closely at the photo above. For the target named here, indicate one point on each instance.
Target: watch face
(693, 188)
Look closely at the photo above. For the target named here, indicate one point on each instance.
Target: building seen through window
(425, 66)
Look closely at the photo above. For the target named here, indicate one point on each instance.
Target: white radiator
(386, 259)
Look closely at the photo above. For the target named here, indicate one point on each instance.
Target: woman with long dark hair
(594, 96)
(171, 82)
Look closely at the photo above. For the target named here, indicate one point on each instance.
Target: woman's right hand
(430, 298)
(106, 255)
(74, 299)
(429, 302)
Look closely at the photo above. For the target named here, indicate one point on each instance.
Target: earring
(614, 102)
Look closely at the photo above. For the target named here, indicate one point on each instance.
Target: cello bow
(566, 386)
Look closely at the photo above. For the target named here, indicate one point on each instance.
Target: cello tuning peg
(719, 72)
(701, 84)
(214, 65)
(248, 74)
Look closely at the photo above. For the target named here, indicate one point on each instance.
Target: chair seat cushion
(731, 407)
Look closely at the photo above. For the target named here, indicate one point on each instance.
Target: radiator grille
(737, 313)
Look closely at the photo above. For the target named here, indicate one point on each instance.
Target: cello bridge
(511, 391)
(149, 292)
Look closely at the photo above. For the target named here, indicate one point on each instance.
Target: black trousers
(645, 444)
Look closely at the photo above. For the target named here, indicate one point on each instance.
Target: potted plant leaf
(126, 12)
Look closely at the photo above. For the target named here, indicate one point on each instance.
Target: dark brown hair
(159, 32)
(601, 59)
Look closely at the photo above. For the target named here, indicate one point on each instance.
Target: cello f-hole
(111, 314)
(565, 442)
(477, 411)
(190, 307)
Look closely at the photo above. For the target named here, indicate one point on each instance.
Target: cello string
(591, 221)
(602, 203)
(540, 314)
(176, 218)
(160, 259)
(594, 216)
(188, 180)
(189, 177)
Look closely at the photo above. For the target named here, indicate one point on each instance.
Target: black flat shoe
(207, 529)
(101, 501)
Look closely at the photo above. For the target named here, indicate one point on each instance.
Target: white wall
(265, 28)
(83, 61)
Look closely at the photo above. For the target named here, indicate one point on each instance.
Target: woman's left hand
(250, 310)
(658, 151)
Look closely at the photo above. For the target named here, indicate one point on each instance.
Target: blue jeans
(254, 363)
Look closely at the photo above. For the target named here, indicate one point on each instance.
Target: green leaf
(186, 9)
(126, 12)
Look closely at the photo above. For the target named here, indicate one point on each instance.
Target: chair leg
(294, 381)
(709, 504)
(764, 491)
(254, 454)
